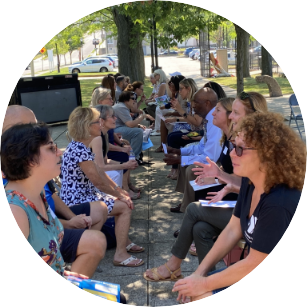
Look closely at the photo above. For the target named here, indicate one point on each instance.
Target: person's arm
(96, 146)
(125, 148)
(212, 170)
(61, 208)
(211, 148)
(136, 122)
(21, 219)
(162, 89)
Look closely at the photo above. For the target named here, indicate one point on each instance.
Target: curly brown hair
(279, 148)
(132, 87)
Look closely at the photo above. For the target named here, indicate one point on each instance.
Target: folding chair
(294, 106)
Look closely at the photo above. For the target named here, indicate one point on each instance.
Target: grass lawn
(64, 71)
(250, 84)
(87, 87)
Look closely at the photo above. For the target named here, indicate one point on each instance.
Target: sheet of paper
(219, 204)
(164, 148)
(197, 187)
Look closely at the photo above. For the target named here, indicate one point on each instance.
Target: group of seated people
(257, 160)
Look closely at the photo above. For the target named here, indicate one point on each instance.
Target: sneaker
(155, 133)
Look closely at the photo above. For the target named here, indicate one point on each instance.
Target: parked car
(196, 55)
(114, 59)
(191, 54)
(188, 50)
(256, 49)
(166, 52)
(92, 65)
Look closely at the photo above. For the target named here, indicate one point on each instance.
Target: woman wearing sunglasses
(245, 104)
(271, 160)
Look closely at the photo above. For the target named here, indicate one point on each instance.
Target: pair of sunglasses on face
(238, 149)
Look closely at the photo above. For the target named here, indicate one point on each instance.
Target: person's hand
(80, 221)
(126, 149)
(171, 159)
(143, 97)
(176, 105)
(126, 142)
(170, 120)
(68, 273)
(193, 285)
(131, 164)
(150, 117)
(168, 114)
(142, 127)
(140, 111)
(184, 137)
(204, 180)
(127, 200)
(218, 196)
(162, 107)
(172, 150)
(206, 170)
(118, 135)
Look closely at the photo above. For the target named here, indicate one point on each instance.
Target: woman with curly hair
(271, 158)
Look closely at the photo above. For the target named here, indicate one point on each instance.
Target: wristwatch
(185, 115)
(117, 186)
(177, 119)
(122, 144)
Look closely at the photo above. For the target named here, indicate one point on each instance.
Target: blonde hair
(189, 83)
(99, 94)
(79, 122)
(258, 100)
(161, 73)
(226, 103)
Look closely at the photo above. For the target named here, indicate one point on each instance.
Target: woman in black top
(271, 158)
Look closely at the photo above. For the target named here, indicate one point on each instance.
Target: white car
(92, 65)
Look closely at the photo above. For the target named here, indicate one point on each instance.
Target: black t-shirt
(271, 217)
(225, 159)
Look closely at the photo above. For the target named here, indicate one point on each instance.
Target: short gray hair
(104, 110)
(99, 93)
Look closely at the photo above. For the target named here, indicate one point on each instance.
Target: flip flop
(135, 196)
(128, 248)
(127, 261)
(134, 189)
(158, 277)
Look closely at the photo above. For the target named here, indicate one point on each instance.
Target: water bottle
(131, 155)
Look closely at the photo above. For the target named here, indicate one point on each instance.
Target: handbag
(239, 252)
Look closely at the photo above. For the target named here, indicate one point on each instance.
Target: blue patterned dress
(76, 187)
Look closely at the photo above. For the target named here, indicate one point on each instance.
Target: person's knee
(98, 244)
(100, 208)
(122, 208)
(192, 209)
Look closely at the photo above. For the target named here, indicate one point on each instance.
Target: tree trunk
(242, 53)
(266, 63)
(130, 58)
(240, 57)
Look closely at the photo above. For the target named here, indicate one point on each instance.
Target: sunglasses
(239, 150)
(244, 96)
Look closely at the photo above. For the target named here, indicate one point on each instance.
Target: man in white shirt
(205, 101)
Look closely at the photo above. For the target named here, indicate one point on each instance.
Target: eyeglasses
(53, 147)
(244, 96)
(239, 149)
(111, 116)
(96, 122)
(181, 88)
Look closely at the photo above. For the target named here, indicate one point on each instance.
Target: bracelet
(177, 119)
(122, 144)
(117, 186)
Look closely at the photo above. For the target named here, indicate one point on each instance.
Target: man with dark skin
(204, 101)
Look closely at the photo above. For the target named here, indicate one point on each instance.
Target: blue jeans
(217, 271)
(134, 136)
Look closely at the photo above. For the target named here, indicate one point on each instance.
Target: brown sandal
(158, 277)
